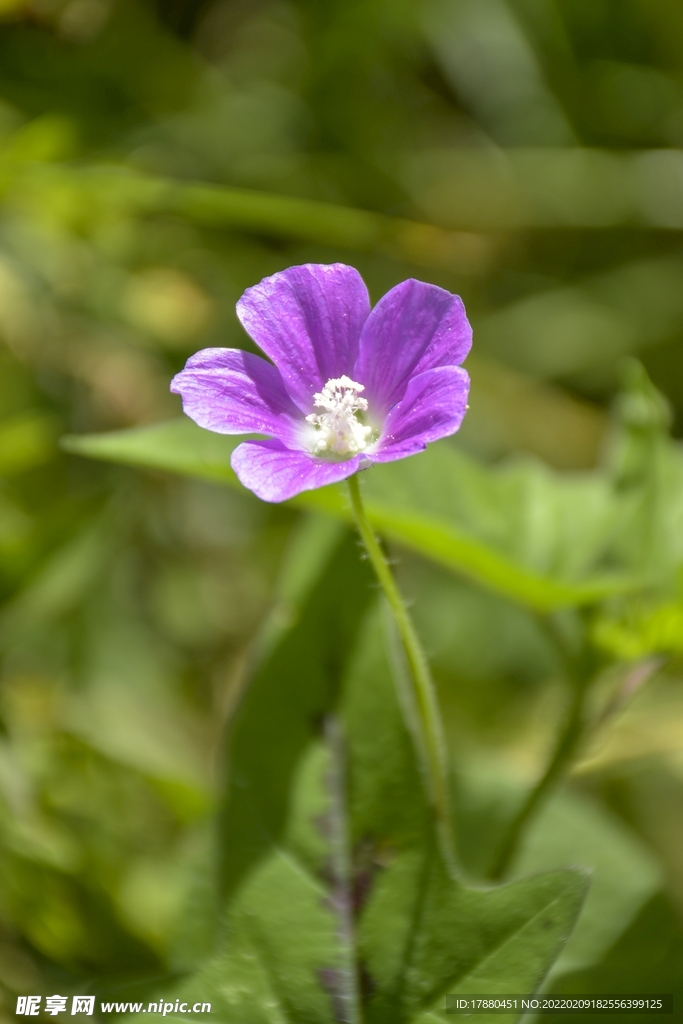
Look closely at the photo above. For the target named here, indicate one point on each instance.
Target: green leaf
(521, 532)
(293, 688)
(259, 871)
(572, 829)
(279, 937)
(423, 934)
(337, 894)
(178, 446)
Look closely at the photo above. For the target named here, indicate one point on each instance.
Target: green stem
(428, 716)
(568, 741)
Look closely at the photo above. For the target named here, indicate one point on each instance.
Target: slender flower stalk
(347, 385)
(429, 719)
(568, 742)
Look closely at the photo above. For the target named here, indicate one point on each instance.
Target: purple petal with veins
(275, 473)
(432, 407)
(308, 320)
(413, 328)
(234, 392)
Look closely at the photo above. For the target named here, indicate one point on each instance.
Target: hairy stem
(431, 745)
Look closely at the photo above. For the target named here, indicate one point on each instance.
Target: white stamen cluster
(338, 428)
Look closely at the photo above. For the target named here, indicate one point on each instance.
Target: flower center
(338, 428)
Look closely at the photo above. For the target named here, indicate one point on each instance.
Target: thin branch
(634, 680)
(567, 745)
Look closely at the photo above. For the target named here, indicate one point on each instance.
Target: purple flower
(347, 385)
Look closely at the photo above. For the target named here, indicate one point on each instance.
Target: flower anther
(338, 428)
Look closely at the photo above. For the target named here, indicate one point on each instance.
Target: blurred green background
(156, 158)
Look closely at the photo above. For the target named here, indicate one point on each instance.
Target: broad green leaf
(178, 446)
(345, 897)
(522, 532)
(280, 937)
(423, 934)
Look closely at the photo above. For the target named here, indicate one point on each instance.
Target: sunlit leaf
(520, 533)
(641, 630)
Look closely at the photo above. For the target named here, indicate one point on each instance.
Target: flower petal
(235, 392)
(275, 473)
(433, 406)
(414, 327)
(308, 320)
